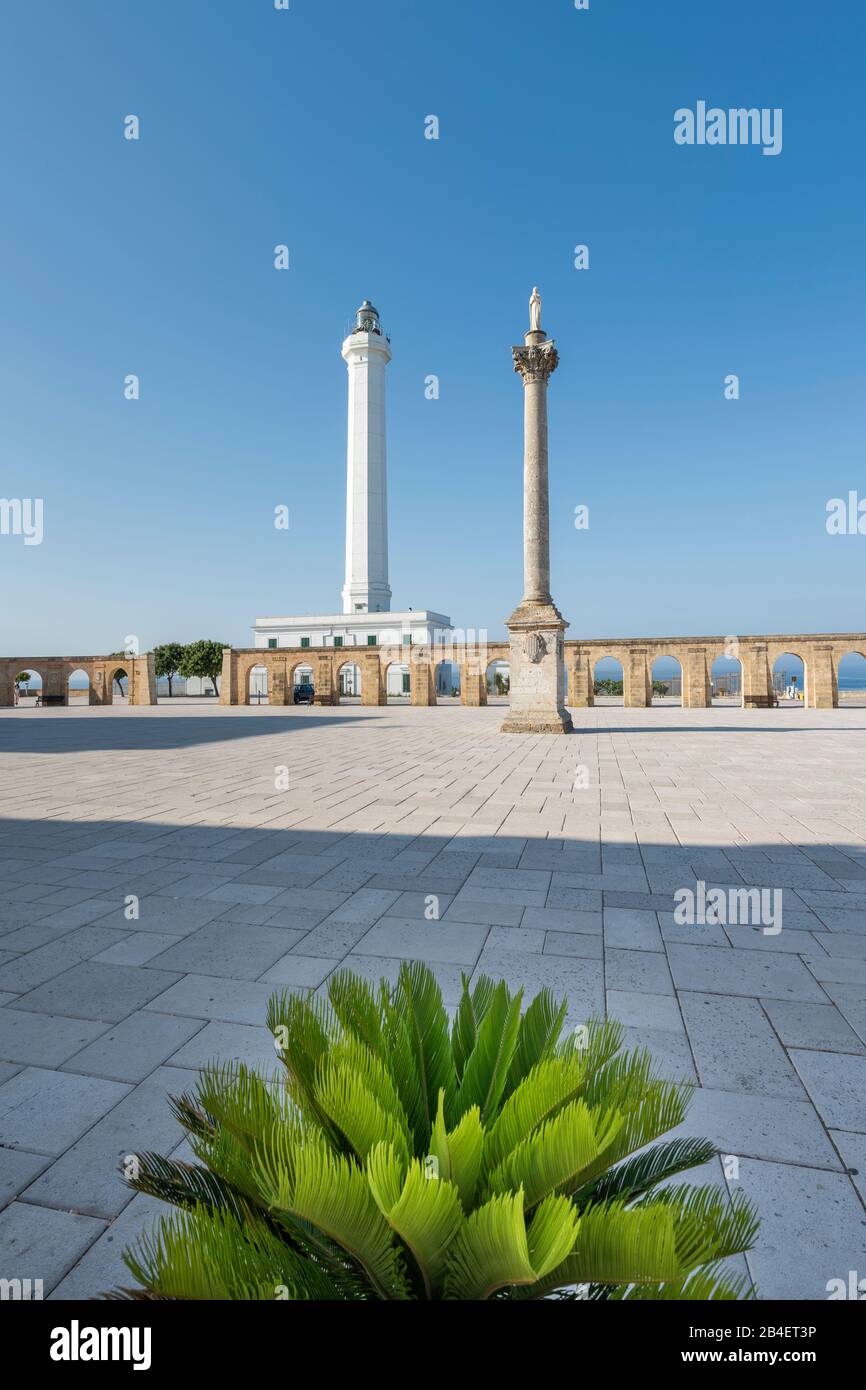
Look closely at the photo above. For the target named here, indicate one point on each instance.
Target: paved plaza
(265, 848)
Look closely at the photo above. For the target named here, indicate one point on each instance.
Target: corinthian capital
(536, 363)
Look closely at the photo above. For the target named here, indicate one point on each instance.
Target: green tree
(166, 660)
(203, 659)
(409, 1158)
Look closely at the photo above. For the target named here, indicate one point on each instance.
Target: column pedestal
(537, 693)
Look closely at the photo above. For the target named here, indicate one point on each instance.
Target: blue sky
(306, 127)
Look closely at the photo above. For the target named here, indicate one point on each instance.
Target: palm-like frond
(460, 1153)
(490, 1250)
(420, 1047)
(638, 1174)
(487, 1067)
(471, 1012)
(537, 1036)
(205, 1254)
(551, 1084)
(333, 1196)
(423, 1210)
(709, 1223)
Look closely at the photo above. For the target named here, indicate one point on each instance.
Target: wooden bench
(50, 700)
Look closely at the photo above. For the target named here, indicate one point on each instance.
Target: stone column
(54, 682)
(756, 677)
(580, 687)
(822, 690)
(536, 627)
(372, 683)
(141, 680)
(695, 679)
(473, 682)
(100, 686)
(421, 689)
(229, 679)
(278, 693)
(636, 678)
(324, 682)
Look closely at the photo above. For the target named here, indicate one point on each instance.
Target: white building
(366, 619)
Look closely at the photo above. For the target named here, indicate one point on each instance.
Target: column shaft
(536, 506)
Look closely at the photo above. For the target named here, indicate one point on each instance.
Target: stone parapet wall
(820, 653)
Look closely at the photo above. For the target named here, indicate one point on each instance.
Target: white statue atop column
(535, 312)
(536, 626)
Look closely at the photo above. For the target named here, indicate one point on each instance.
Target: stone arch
(397, 681)
(604, 669)
(661, 672)
(33, 689)
(849, 678)
(257, 684)
(725, 671)
(115, 674)
(446, 681)
(78, 694)
(789, 677)
(348, 681)
(498, 677)
(302, 673)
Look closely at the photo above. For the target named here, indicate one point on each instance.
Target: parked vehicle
(303, 694)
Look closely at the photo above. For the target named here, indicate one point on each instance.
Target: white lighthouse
(367, 619)
(366, 353)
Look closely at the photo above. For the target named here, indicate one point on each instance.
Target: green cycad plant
(406, 1157)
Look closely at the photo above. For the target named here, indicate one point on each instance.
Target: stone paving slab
(760, 1126)
(46, 1111)
(18, 1168)
(101, 1267)
(44, 1040)
(818, 1026)
(86, 1178)
(242, 891)
(43, 1243)
(131, 1050)
(97, 991)
(736, 1048)
(812, 1224)
(837, 1086)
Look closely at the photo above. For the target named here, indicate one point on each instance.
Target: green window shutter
(371, 641)
(305, 641)
(338, 641)
(272, 641)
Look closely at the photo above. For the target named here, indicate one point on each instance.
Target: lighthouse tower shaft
(366, 353)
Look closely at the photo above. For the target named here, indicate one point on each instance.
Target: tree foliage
(203, 659)
(167, 660)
